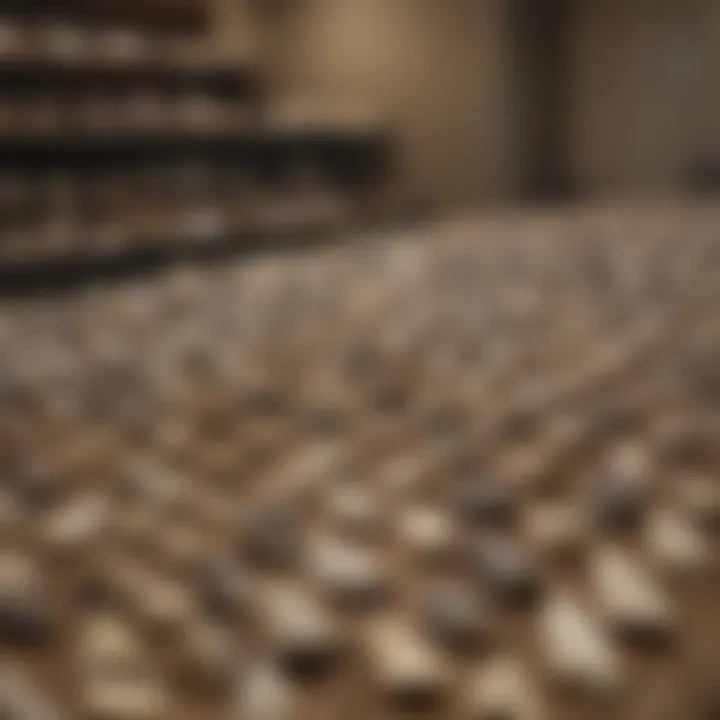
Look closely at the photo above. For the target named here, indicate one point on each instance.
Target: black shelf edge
(243, 143)
(69, 272)
(180, 15)
(230, 77)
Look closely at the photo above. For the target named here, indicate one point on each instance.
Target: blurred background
(138, 124)
(404, 397)
(514, 100)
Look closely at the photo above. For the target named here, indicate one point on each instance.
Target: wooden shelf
(187, 15)
(109, 115)
(176, 224)
(58, 147)
(207, 74)
(107, 240)
(36, 263)
(82, 142)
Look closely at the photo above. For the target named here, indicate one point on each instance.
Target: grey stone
(222, 590)
(164, 605)
(407, 669)
(38, 488)
(576, 651)
(352, 576)
(108, 648)
(181, 547)
(389, 398)
(138, 698)
(427, 532)
(555, 530)
(631, 464)
(405, 476)
(519, 424)
(441, 422)
(485, 502)
(629, 600)
(14, 391)
(360, 360)
(617, 506)
(25, 617)
(302, 479)
(700, 496)
(508, 570)
(151, 483)
(675, 545)
(76, 526)
(355, 510)
(528, 468)
(11, 516)
(678, 437)
(456, 617)
(22, 699)
(270, 537)
(210, 658)
(134, 528)
(264, 400)
(501, 688)
(301, 632)
(263, 694)
(324, 417)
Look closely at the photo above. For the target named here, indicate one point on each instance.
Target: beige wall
(432, 67)
(644, 105)
(235, 28)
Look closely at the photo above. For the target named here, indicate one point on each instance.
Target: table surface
(525, 351)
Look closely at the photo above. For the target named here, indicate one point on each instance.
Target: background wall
(645, 97)
(711, 41)
(434, 68)
(236, 28)
(641, 103)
